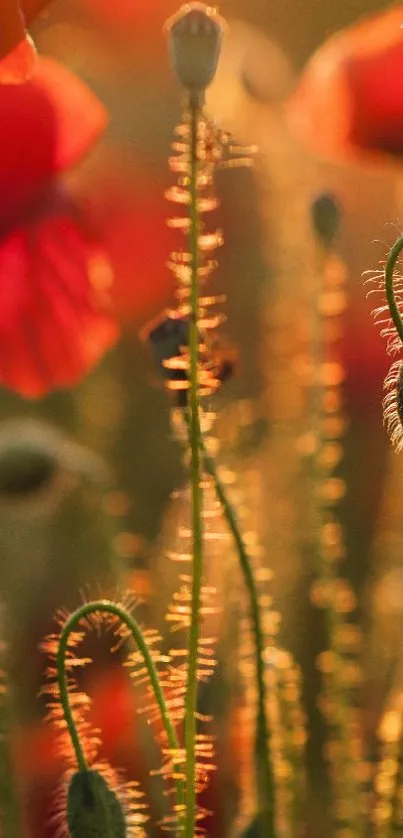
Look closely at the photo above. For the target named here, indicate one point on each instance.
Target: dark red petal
(53, 322)
(47, 124)
(376, 89)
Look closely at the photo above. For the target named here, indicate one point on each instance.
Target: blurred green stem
(264, 771)
(347, 784)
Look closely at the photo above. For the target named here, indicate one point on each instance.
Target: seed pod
(93, 808)
(195, 34)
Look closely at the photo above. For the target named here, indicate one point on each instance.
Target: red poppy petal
(47, 125)
(53, 323)
(126, 204)
(18, 65)
(322, 127)
(350, 98)
(79, 117)
(139, 245)
(376, 84)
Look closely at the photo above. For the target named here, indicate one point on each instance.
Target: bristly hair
(128, 795)
(393, 404)
(214, 151)
(393, 384)
(178, 619)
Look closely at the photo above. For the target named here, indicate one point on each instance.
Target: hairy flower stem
(106, 607)
(264, 771)
(196, 474)
(393, 256)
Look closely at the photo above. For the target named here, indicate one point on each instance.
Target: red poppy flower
(349, 102)
(17, 52)
(53, 323)
(126, 205)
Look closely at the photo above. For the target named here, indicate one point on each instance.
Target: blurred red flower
(349, 101)
(125, 201)
(17, 52)
(134, 29)
(133, 13)
(53, 320)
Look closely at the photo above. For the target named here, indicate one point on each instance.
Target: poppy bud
(93, 808)
(326, 215)
(195, 35)
(166, 336)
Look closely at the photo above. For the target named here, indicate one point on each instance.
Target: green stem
(393, 256)
(197, 529)
(264, 771)
(104, 606)
(328, 573)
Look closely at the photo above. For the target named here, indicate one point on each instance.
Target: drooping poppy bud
(93, 808)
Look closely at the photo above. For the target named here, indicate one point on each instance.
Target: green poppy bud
(93, 808)
(195, 34)
(326, 216)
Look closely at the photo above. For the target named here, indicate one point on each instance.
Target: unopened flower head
(93, 808)
(195, 35)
